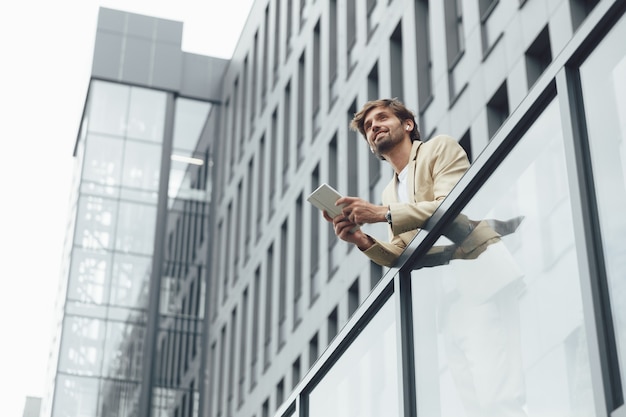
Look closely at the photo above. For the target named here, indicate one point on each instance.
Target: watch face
(388, 216)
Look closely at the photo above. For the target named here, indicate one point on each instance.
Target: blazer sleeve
(386, 253)
(440, 165)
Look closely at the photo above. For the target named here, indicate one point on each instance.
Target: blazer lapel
(411, 174)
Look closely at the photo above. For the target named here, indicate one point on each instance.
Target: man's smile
(379, 135)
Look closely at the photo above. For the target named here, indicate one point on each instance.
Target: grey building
(302, 324)
(289, 320)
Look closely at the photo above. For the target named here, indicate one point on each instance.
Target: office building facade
(303, 324)
(132, 301)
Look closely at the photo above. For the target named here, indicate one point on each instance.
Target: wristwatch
(388, 216)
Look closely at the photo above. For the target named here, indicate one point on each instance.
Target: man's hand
(359, 211)
(343, 229)
(356, 211)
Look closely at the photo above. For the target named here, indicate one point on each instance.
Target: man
(424, 174)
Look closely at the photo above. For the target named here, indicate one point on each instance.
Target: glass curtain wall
(100, 358)
(175, 391)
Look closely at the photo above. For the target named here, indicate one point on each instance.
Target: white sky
(46, 50)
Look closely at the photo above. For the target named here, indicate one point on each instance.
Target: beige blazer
(435, 167)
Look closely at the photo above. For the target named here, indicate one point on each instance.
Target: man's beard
(386, 143)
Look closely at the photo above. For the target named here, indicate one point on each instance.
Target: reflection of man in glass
(424, 174)
(479, 318)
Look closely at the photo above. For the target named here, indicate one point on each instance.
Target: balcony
(505, 303)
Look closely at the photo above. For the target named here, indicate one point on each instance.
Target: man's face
(383, 130)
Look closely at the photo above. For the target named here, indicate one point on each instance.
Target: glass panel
(146, 116)
(191, 116)
(123, 350)
(95, 222)
(81, 348)
(135, 228)
(88, 280)
(129, 283)
(364, 381)
(187, 159)
(102, 164)
(75, 397)
(499, 320)
(185, 167)
(108, 108)
(603, 78)
(142, 165)
(119, 398)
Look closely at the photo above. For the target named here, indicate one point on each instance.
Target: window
(266, 54)
(287, 134)
(289, 28)
(333, 249)
(313, 350)
(424, 59)
(333, 76)
(314, 285)
(351, 34)
(300, 117)
(247, 217)
(353, 297)
(280, 392)
(231, 361)
(282, 286)
(256, 63)
(455, 41)
(295, 373)
(273, 139)
(580, 9)
(243, 344)
(466, 144)
(372, 84)
(277, 34)
(376, 273)
(298, 268)
(254, 345)
(396, 55)
(269, 272)
(372, 19)
(245, 101)
(317, 69)
(353, 151)
(538, 56)
(333, 325)
(497, 109)
(260, 187)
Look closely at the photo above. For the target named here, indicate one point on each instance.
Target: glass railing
(496, 308)
(497, 302)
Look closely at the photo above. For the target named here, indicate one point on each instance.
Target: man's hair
(396, 106)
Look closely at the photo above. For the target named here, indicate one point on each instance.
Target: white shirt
(402, 190)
